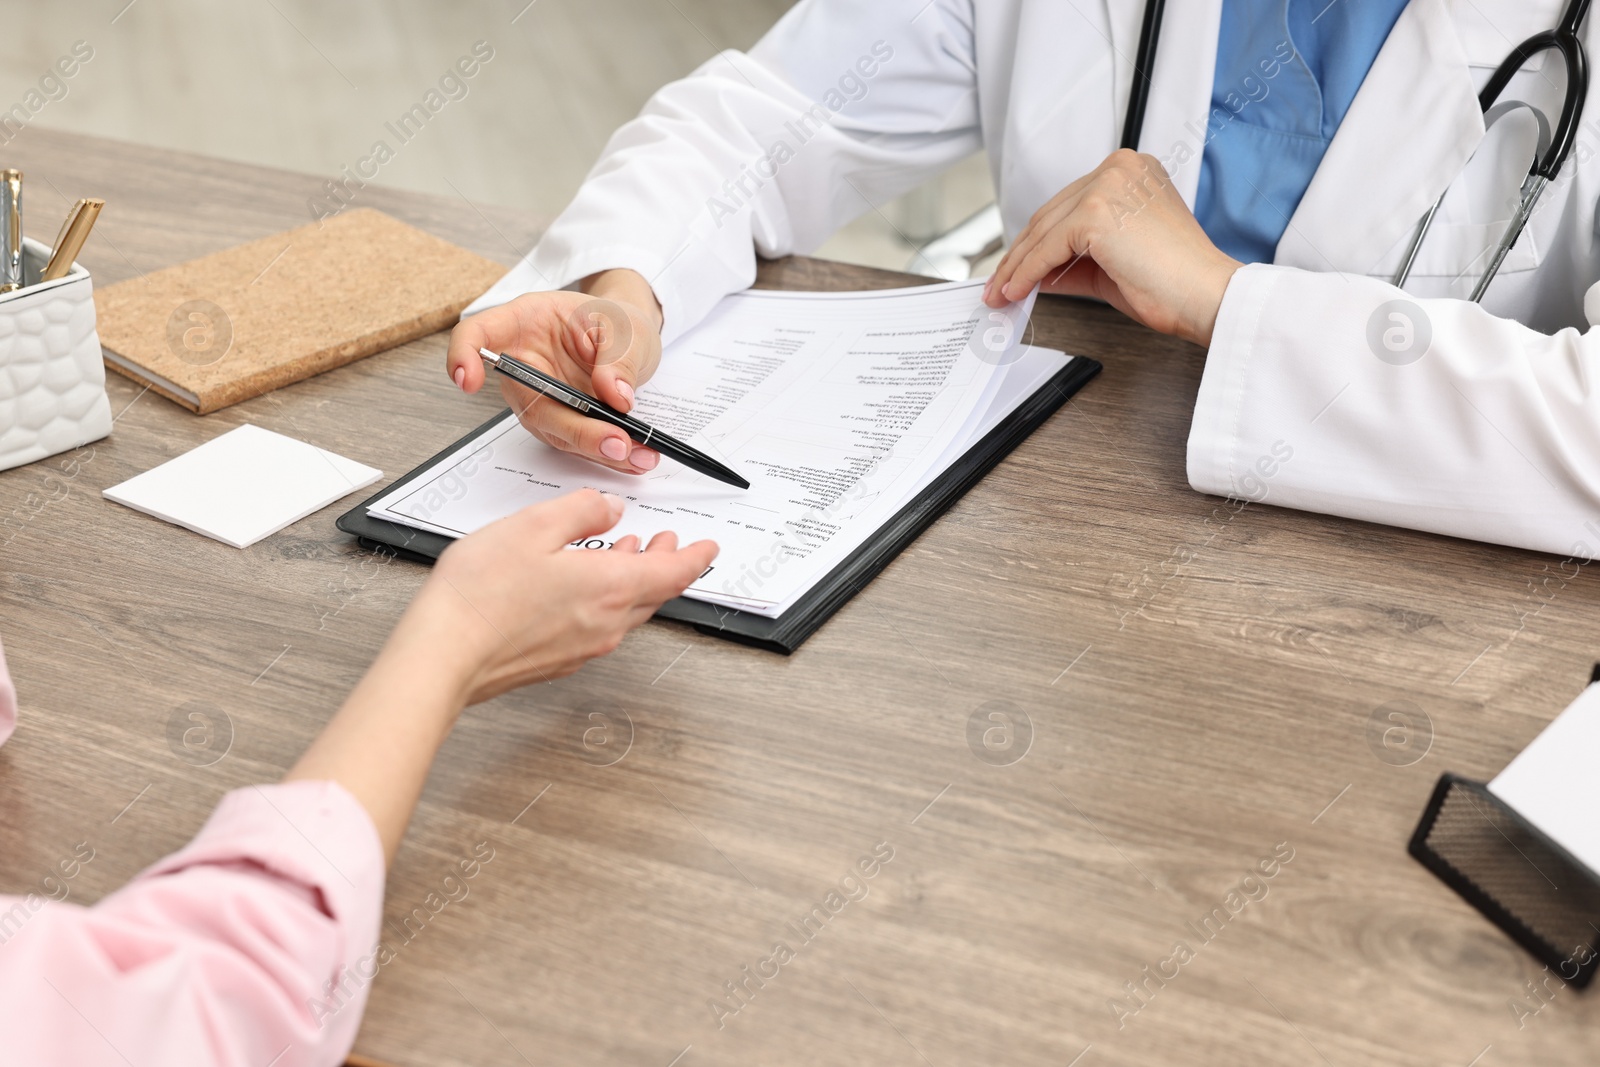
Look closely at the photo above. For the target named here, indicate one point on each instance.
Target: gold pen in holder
(10, 230)
(69, 242)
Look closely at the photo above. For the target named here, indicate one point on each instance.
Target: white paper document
(1552, 783)
(244, 485)
(838, 407)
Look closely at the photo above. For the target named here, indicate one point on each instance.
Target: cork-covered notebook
(242, 322)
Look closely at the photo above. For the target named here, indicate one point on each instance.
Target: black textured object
(1521, 880)
(786, 632)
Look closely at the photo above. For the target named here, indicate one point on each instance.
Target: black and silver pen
(641, 432)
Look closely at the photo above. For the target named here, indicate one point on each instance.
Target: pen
(10, 230)
(69, 242)
(641, 432)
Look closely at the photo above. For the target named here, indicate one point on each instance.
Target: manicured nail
(645, 458)
(614, 448)
(616, 504)
(627, 394)
(461, 377)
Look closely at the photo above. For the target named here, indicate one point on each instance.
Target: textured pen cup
(52, 379)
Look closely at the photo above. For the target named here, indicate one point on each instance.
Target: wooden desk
(1199, 683)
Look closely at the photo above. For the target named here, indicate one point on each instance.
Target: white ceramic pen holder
(52, 378)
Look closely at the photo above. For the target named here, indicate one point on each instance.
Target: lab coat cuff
(1214, 433)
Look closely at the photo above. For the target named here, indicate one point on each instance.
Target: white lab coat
(1493, 434)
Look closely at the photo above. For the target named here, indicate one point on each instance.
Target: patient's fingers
(665, 574)
(665, 541)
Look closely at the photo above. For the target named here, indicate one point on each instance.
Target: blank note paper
(1552, 783)
(247, 484)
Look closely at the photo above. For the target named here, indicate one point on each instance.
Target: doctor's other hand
(605, 341)
(1122, 234)
(512, 604)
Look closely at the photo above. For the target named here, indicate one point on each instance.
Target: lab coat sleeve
(252, 945)
(1342, 395)
(840, 107)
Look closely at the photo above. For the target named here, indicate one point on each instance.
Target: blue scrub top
(1287, 71)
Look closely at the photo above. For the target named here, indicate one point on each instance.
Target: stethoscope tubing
(1563, 39)
(1144, 62)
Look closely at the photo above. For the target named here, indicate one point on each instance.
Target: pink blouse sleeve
(8, 701)
(254, 945)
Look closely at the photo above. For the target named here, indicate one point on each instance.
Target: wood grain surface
(1188, 688)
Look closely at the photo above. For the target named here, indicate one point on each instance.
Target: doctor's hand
(1122, 234)
(605, 341)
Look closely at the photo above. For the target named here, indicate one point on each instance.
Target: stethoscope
(1548, 160)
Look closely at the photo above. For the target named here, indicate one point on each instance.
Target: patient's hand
(605, 341)
(510, 605)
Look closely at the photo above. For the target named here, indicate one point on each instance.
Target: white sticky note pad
(247, 484)
(1552, 783)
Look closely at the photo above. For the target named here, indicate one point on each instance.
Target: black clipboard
(788, 631)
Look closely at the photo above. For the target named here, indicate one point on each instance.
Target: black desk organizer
(1522, 881)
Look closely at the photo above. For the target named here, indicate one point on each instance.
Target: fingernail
(627, 393)
(645, 459)
(615, 503)
(461, 377)
(614, 448)
(1006, 292)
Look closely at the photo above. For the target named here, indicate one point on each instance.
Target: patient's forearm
(383, 739)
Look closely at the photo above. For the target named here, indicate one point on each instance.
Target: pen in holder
(52, 377)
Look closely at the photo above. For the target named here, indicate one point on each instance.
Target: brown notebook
(239, 323)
